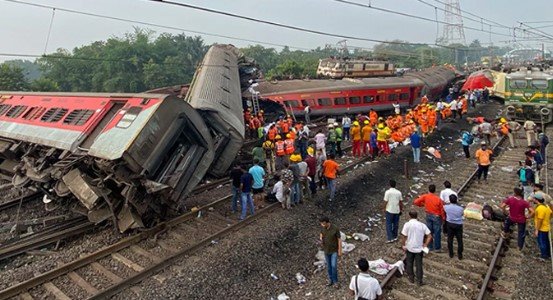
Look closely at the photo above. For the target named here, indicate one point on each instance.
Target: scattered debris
(360, 236)
(283, 296)
(274, 277)
(300, 278)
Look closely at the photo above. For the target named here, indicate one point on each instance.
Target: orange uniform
(373, 117)
(355, 132)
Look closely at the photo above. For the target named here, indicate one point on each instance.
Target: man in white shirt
(278, 190)
(363, 285)
(530, 129)
(307, 112)
(397, 108)
(346, 124)
(415, 237)
(445, 193)
(453, 107)
(393, 207)
(320, 142)
(486, 129)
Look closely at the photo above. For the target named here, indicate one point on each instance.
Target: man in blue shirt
(246, 182)
(258, 175)
(454, 226)
(466, 140)
(416, 146)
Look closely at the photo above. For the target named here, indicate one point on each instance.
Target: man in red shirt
(517, 215)
(435, 215)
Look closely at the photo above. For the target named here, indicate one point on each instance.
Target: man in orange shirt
(355, 133)
(366, 135)
(330, 169)
(483, 156)
(435, 215)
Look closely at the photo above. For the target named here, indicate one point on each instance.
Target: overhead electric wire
(293, 27)
(368, 6)
(152, 24)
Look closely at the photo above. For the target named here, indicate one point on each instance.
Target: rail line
(479, 275)
(139, 256)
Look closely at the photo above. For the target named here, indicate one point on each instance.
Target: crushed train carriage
(129, 157)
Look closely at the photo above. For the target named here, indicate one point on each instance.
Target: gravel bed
(285, 242)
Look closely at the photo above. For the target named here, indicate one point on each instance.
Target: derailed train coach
(132, 158)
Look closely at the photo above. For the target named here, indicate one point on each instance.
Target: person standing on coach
(415, 237)
(393, 207)
(435, 214)
(483, 156)
(454, 225)
(332, 247)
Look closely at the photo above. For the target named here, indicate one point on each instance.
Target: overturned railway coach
(337, 97)
(129, 157)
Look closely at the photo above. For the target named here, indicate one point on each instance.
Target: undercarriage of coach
(107, 189)
(536, 113)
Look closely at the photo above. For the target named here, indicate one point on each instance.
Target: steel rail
(388, 280)
(129, 241)
(15, 202)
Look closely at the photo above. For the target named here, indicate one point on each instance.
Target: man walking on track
(393, 207)
(454, 225)
(435, 215)
(363, 285)
(330, 170)
(415, 237)
(517, 215)
(483, 156)
(332, 247)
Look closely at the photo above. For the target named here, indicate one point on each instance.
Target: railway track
(140, 256)
(479, 275)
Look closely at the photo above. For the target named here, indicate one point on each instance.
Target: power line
(152, 24)
(369, 6)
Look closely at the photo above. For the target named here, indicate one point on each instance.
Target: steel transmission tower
(453, 31)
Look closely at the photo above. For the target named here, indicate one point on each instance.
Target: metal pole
(406, 168)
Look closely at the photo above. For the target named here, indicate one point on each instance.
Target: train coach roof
(267, 88)
(96, 95)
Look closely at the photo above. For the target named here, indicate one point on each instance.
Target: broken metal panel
(79, 184)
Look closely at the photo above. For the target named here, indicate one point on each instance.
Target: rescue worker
(280, 152)
(331, 138)
(355, 132)
(424, 122)
(289, 146)
(366, 137)
(424, 100)
(247, 116)
(303, 140)
(382, 137)
(432, 119)
(261, 116)
(269, 148)
(373, 117)
(272, 133)
(503, 127)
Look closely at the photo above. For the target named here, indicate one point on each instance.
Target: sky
(24, 29)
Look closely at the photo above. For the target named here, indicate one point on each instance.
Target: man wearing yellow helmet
(355, 132)
(382, 137)
(366, 137)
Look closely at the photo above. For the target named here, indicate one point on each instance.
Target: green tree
(12, 78)
(44, 85)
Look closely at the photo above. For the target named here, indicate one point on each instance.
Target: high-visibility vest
(292, 134)
(504, 129)
(279, 145)
(289, 146)
(272, 133)
(285, 127)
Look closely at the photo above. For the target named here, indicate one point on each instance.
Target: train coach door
(116, 105)
(412, 95)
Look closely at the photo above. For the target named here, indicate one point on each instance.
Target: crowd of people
(295, 159)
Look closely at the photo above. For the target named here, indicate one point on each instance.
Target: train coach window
(325, 101)
(404, 96)
(368, 99)
(53, 114)
(291, 103)
(392, 97)
(129, 117)
(78, 117)
(354, 100)
(539, 84)
(4, 108)
(339, 101)
(518, 84)
(33, 113)
(15, 111)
